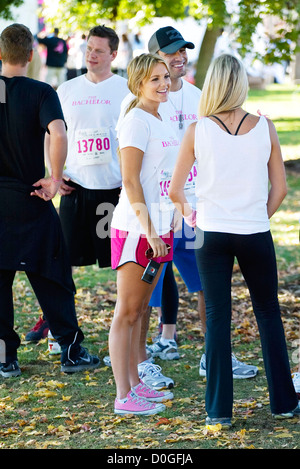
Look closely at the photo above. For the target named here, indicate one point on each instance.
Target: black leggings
(170, 297)
(256, 257)
(58, 308)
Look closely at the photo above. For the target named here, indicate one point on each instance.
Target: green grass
(281, 104)
(47, 409)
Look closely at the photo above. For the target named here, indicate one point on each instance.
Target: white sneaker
(150, 374)
(240, 370)
(296, 382)
(106, 360)
(166, 351)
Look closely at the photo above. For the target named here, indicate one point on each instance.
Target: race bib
(165, 176)
(164, 180)
(93, 146)
(189, 188)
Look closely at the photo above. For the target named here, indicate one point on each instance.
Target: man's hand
(64, 188)
(47, 188)
(176, 224)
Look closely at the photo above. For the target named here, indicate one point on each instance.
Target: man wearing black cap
(169, 44)
(180, 111)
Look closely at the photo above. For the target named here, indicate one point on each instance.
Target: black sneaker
(9, 370)
(38, 332)
(84, 361)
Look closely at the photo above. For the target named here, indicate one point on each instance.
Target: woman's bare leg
(133, 296)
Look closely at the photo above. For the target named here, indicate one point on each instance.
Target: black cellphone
(150, 271)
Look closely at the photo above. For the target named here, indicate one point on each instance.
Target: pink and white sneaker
(137, 406)
(150, 394)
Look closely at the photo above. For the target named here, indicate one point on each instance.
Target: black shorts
(85, 217)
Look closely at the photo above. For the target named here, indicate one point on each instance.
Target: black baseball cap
(168, 40)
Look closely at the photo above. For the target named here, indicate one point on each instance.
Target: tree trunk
(206, 54)
(296, 66)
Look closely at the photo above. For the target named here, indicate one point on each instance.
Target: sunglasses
(149, 252)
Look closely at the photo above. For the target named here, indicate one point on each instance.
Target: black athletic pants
(57, 304)
(256, 257)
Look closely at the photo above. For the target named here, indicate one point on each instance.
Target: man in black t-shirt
(57, 54)
(31, 238)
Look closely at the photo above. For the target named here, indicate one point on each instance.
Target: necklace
(180, 117)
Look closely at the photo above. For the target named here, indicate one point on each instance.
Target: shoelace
(140, 401)
(235, 360)
(147, 389)
(152, 369)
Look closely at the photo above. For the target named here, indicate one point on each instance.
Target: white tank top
(232, 179)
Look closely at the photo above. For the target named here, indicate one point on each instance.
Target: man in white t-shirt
(92, 177)
(91, 107)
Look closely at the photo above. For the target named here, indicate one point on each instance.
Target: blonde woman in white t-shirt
(238, 155)
(141, 222)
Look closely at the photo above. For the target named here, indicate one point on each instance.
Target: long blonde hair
(139, 69)
(225, 87)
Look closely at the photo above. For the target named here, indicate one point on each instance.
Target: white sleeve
(125, 102)
(133, 132)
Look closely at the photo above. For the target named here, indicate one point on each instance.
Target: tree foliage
(72, 15)
(282, 39)
(6, 6)
(241, 18)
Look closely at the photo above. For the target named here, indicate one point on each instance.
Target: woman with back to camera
(139, 224)
(238, 155)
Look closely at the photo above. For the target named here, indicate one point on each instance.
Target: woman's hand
(158, 246)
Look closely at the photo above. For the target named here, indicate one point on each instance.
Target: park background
(46, 409)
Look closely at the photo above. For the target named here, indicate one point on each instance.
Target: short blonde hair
(16, 42)
(139, 69)
(225, 87)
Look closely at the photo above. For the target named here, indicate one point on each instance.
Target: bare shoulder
(273, 131)
(271, 124)
(189, 135)
(191, 127)
(252, 119)
(255, 118)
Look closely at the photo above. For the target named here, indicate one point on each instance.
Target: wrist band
(55, 180)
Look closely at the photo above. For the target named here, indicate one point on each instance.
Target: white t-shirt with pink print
(91, 111)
